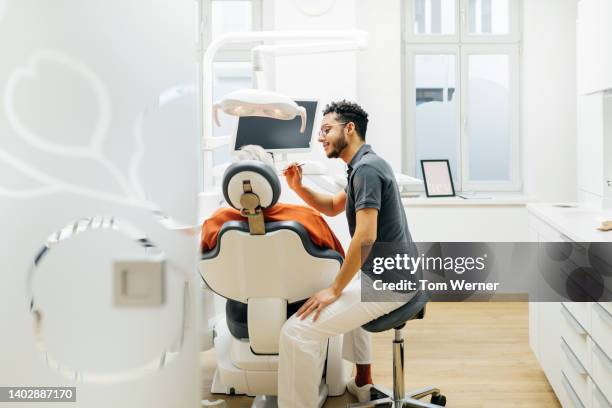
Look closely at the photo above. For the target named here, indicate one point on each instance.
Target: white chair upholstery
(284, 268)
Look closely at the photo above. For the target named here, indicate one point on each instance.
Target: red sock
(364, 375)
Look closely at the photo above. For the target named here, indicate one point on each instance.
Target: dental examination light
(257, 102)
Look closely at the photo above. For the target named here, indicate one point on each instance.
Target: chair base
(271, 401)
(411, 399)
(265, 401)
(241, 372)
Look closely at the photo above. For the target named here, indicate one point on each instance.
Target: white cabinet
(594, 149)
(594, 46)
(594, 110)
(590, 155)
(607, 151)
(572, 341)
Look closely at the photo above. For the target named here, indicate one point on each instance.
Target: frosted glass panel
(434, 17)
(489, 117)
(228, 16)
(488, 17)
(437, 108)
(99, 123)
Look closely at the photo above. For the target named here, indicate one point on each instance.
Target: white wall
(379, 70)
(328, 77)
(548, 99)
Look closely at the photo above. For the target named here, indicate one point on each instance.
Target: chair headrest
(263, 180)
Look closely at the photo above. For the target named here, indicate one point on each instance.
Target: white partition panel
(99, 142)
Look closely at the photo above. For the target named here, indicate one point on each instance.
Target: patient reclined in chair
(266, 268)
(318, 230)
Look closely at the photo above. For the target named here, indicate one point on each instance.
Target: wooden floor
(478, 354)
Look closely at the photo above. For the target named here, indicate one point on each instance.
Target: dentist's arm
(365, 234)
(327, 204)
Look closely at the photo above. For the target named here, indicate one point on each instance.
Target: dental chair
(266, 271)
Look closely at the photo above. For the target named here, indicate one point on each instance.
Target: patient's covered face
(332, 136)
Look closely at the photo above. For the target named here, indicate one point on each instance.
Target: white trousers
(303, 344)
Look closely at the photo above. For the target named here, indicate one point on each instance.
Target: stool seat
(414, 309)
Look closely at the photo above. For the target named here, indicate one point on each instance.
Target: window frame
(411, 37)
(462, 45)
(513, 36)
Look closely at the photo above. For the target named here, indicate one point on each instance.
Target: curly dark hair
(350, 112)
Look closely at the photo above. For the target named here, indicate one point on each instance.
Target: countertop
(483, 199)
(579, 223)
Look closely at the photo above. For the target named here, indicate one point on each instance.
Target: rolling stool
(415, 309)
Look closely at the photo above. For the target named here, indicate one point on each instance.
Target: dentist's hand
(318, 302)
(293, 175)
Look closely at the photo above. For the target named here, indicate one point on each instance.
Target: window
(492, 18)
(433, 18)
(462, 66)
(232, 67)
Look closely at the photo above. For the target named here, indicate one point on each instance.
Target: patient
(312, 221)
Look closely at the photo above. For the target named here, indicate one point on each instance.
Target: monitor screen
(274, 134)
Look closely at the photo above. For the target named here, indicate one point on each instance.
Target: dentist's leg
(303, 344)
(357, 346)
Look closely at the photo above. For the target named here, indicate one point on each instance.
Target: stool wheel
(438, 400)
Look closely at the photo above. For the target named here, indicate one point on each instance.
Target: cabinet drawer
(570, 395)
(575, 335)
(602, 371)
(581, 311)
(601, 327)
(607, 306)
(599, 399)
(575, 373)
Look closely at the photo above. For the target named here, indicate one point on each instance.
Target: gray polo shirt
(372, 184)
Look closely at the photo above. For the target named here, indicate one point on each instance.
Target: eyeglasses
(325, 131)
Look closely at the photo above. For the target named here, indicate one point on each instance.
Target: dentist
(375, 213)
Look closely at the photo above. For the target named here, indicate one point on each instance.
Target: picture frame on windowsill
(437, 178)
